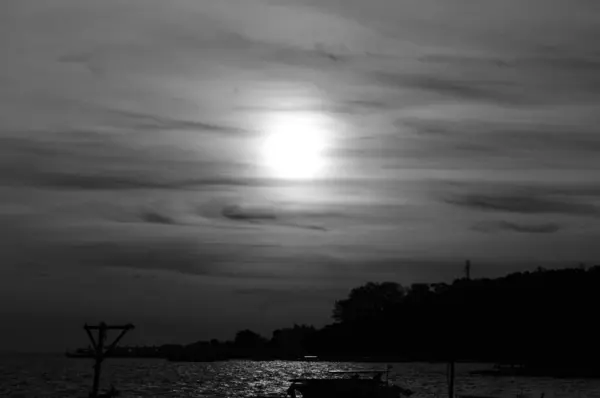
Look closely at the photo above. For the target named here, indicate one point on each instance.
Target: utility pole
(450, 376)
(101, 351)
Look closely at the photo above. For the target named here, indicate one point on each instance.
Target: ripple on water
(54, 377)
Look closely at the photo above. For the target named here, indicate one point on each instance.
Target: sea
(56, 376)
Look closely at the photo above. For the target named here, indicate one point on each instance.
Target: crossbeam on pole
(109, 327)
(99, 344)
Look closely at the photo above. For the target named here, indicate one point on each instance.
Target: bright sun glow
(294, 147)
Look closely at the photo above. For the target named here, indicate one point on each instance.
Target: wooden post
(451, 379)
(387, 374)
(99, 357)
(100, 352)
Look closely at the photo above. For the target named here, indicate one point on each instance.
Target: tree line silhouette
(540, 318)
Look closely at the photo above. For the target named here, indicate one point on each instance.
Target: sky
(135, 183)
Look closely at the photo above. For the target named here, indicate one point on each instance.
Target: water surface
(55, 376)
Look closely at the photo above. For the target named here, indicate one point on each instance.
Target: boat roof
(307, 380)
(358, 371)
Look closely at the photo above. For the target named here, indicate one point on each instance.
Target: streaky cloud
(467, 90)
(509, 134)
(92, 181)
(501, 226)
(524, 203)
(144, 122)
(266, 215)
(178, 256)
(339, 107)
(156, 217)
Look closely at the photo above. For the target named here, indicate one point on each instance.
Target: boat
(348, 384)
(80, 353)
(113, 392)
(309, 358)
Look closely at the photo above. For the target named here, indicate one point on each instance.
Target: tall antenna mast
(468, 270)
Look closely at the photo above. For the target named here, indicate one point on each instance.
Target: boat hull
(332, 388)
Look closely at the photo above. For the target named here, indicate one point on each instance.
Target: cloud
(289, 292)
(483, 145)
(145, 122)
(457, 60)
(84, 58)
(114, 181)
(471, 90)
(507, 134)
(236, 212)
(583, 190)
(113, 231)
(284, 296)
(555, 58)
(255, 258)
(156, 217)
(182, 255)
(325, 108)
(500, 226)
(267, 215)
(590, 190)
(548, 75)
(88, 160)
(341, 107)
(525, 204)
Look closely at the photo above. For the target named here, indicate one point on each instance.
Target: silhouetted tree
(544, 318)
(249, 344)
(373, 301)
(292, 343)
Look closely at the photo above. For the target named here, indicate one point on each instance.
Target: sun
(294, 146)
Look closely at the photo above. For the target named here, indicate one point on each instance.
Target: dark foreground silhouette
(543, 321)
